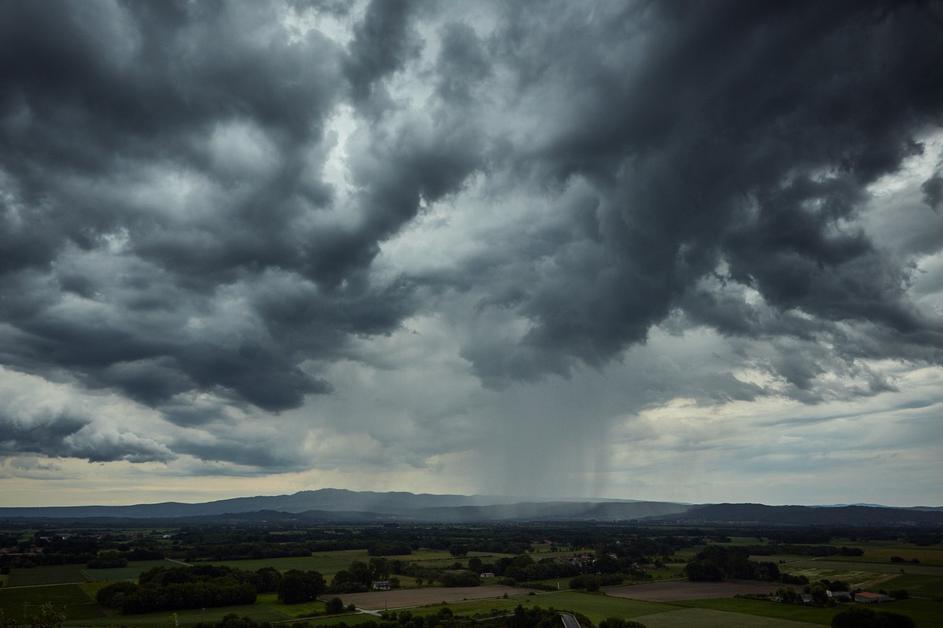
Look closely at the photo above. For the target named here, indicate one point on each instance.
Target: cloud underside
(220, 221)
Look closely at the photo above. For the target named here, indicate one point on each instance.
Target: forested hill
(808, 515)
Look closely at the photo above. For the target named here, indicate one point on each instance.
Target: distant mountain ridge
(328, 503)
(341, 506)
(327, 499)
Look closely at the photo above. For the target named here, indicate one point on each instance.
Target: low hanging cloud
(549, 182)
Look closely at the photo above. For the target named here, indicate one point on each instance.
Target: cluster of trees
(205, 586)
(162, 589)
(300, 586)
(222, 551)
(444, 618)
(592, 582)
(715, 563)
(615, 622)
(359, 575)
(57, 548)
(107, 560)
(523, 568)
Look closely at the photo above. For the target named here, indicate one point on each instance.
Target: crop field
(925, 613)
(918, 586)
(683, 590)
(765, 608)
(131, 572)
(52, 574)
(926, 556)
(405, 598)
(267, 608)
(23, 603)
(706, 618)
(597, 606)
(836, 567)
(329, 563)
(257, 612)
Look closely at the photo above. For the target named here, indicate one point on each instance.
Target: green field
(329, 563)
(706, 618)
(266, 608)
(917, 585)
(131, 572)
(763, 608)
(596, 606)
(925, 613)
(796, 564)
(52, 574)
(22, 603)
(926, 556)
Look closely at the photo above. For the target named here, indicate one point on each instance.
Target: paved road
(569, 621)
(35, 586)
(179, 562)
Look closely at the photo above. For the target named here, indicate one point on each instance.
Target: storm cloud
(242, 219)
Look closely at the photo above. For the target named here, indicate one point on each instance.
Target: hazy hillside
(336, 505)
(808, 515)
(327, 499)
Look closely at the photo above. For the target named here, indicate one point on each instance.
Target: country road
(569, 621)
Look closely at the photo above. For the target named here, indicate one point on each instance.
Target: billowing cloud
(266, 232)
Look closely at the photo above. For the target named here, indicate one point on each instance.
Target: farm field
(795, 565)
(764, 608)
(131, 572)
(260, 613)
(596, 606)
(706, 618)
(925, 613)
(917, 585)
(51, 574)
(405, 598)
(65, 574)
(267, 608)
(329, 563)
(684, 590)
(926, 556)
(22, 603)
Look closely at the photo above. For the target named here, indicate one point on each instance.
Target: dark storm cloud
(167, 229)
(730, 132)
(190, 136)
(63, 434)
(933, 191)
(383, 42)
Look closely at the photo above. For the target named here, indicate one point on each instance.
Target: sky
(674, 250)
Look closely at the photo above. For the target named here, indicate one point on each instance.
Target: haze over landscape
(547, 253)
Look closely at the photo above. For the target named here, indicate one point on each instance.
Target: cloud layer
(245, 239)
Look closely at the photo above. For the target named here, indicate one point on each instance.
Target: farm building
(487, 574)
(381, 585)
